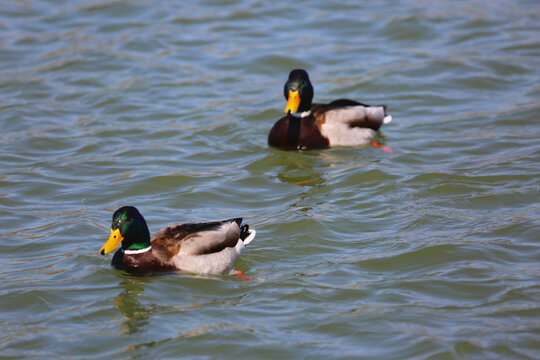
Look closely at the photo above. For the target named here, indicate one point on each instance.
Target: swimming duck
(318, 126)
(206, 248)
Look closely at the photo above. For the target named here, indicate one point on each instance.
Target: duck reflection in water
(134, 313)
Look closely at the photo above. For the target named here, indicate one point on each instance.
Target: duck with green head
(306, 125)
(207, 247)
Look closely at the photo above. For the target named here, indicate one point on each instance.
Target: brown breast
(140, 263)
(292, 133)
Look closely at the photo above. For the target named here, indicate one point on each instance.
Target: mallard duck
(318, 126)
(206, 248)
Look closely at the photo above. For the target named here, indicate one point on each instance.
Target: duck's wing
(351, 113)
(196, 238)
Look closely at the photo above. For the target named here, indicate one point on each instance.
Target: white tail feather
(250, 237)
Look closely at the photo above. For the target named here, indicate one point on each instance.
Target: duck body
(342, 122)
(206, 248)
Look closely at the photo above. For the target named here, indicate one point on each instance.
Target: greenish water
(429, 253)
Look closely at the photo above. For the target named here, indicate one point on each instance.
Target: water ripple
(430, 252)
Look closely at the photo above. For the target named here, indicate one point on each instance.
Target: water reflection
(135, 314)
(301, 178)
(301, 168)
(316, 168)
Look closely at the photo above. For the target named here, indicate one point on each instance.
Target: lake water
(431, 252)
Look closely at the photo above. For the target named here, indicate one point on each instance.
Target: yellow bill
(293, 102)
(114, 240)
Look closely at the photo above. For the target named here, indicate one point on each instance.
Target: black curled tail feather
(244, 232)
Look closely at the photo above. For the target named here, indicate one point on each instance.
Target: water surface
(431, 252)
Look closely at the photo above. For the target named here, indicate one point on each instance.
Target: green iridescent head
(128, 228)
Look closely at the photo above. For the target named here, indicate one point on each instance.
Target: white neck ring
(302, 114)
(133, 252)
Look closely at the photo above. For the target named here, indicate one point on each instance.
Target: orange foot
(384, 148)
(241, 275)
